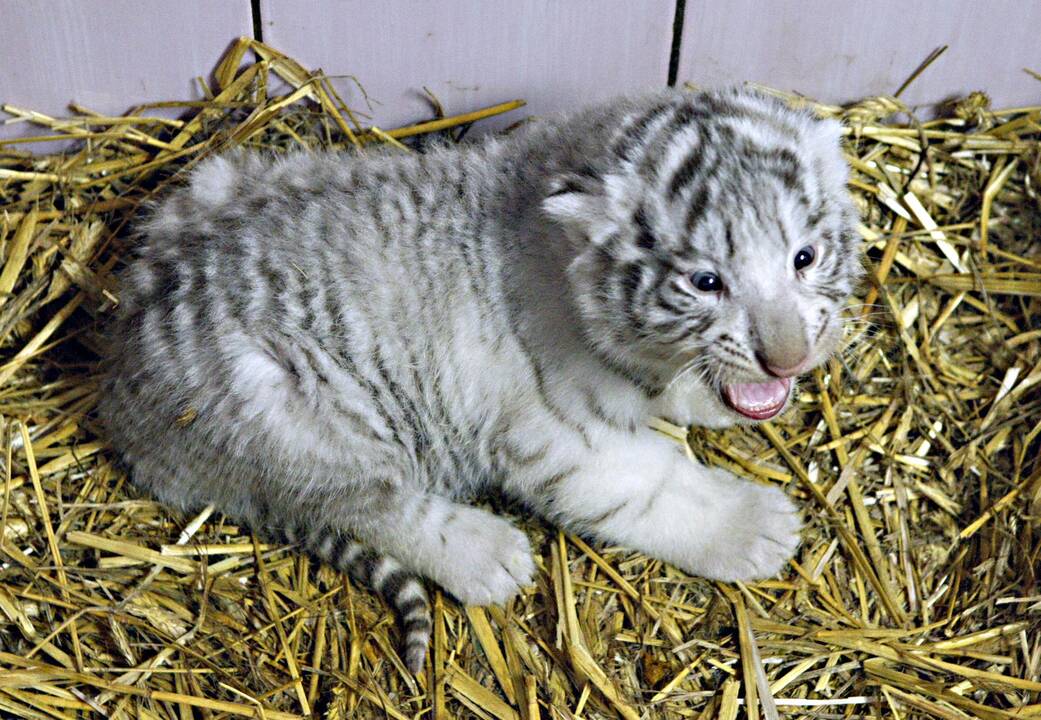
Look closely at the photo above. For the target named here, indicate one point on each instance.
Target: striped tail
(399, 588)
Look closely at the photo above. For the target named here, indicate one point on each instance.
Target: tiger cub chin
(367, 342)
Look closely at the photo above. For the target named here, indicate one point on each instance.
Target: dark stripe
(816, 216)
(476, 276)
(313, 364)
(410, 606)
(305, 289)
(348, 364)
(543, 395)
(684, 116)
(376, 212)
(598, 411)
(343, 353)
(728, 236)
(645, 234)
(666, 327)
(668, 306)
(607, 514)
(361, 569)
(567, 185)
(758, 207)
(782, 162)
(631, 280)
(459, 464)
(166, 309)
(167, 279)
(272, 286)
(820, 332)
(240, 287)
(687, 170)
(417, 626)
(651, 499)
(339, 550)
(786, 239)
(329, 285)
(687, 114)
(360, 424)
(517, 458)
(585, 180)
(698, 326)
(650, 387)
(418, 201)
(548, 486)
(697, 205)
(461, 160)
(728, 108)
(392, 584)
(410, 412)
(632, 136)
(608, 250)
(734, 351)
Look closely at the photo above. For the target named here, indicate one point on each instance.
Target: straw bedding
(914, 453)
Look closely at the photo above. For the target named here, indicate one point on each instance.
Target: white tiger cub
(367, 342)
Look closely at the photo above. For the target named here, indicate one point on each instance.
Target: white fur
(213, 182)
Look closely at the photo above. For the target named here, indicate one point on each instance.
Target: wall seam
(258, 26)
(677, 39)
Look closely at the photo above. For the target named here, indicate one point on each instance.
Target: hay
(914, 454)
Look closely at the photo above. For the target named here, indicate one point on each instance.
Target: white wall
(108, 55)
(111, 54)
(838, 50)
(553, 53)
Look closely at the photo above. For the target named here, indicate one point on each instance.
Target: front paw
(485, 560)
(760, 536)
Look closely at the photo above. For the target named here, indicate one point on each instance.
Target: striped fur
(342, 351)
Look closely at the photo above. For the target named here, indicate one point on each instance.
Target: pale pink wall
(110, 54)
(555, 54)
(840, 51)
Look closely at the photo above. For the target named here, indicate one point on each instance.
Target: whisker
(683, 371)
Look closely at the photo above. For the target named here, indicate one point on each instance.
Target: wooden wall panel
(553, 53)
(109, 55)
(840, 51)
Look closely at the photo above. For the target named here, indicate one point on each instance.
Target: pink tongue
(758, 401)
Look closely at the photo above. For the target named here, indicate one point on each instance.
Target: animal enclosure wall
(552, 53)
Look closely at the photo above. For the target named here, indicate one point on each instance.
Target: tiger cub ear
(576, 201)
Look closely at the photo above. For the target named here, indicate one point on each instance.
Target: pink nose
(785, 372)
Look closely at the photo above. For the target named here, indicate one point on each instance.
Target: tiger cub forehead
(709, 174)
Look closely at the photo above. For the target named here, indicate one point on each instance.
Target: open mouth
(759, 401)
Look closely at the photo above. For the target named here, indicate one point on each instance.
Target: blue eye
(707, 282)
(805, 257)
